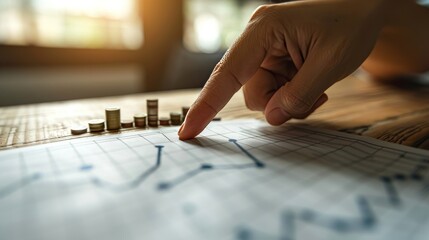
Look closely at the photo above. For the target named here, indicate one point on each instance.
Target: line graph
(392, 193)
(95, 180)
(135, 182)
(244, 181)
(366, 221)
(126, 186)
(204, 167)
(13, 187)
(256, 161)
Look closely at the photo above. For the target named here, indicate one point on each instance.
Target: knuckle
(265, 23)
(263, 14)
(219, 65)
(262, 11)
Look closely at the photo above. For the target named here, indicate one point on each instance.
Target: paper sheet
(237, 180)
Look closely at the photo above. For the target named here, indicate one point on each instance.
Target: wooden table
(356, 105)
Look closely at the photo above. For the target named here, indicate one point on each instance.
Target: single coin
(152, 102)
(127, 123)
(152, 111)
(96, 122)
(112, 109)
(140, 115)
(152, 123)
(77, 130)
(164, 121)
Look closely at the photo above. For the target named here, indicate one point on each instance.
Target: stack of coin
(152, 112)
(127, 123)
(113, 118)
(76, 130)
(164, 121)
(96, 125)
(175, 118)
(140, 120)
(185, 111)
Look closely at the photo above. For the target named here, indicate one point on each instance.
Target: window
(212, 25)
(106, 24)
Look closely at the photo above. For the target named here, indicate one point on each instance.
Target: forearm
(403, 44)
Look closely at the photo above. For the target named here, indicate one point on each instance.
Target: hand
(286, 58)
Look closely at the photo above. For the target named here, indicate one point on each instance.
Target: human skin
(290, 53)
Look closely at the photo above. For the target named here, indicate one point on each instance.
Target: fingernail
(277, 116)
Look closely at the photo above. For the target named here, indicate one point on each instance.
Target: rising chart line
(133, 183)
(204, 167)
(13, 187)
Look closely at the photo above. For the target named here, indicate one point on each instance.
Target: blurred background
(54, 50)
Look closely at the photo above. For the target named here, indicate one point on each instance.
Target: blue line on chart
(10, 189)
(392, 193)
(134, 183)
(6, 191)
(210, 167)
(366, 221)
(255, 160)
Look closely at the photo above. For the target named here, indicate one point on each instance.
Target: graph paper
(237, 180)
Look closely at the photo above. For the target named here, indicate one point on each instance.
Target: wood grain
(388, 112)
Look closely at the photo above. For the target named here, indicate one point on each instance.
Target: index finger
(238, 65)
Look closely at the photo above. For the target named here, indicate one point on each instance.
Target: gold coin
(112, 109)
(175, 115)
(127, 123)
(139, 115)
(96, 125)
(77, 130)
(113, 118)
(140, 124)
(96, 122)
(164, 121)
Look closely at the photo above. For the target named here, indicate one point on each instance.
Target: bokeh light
(72, 24)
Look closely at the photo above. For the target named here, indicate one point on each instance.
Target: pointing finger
(235, 68)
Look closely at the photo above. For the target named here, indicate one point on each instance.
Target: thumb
(299, 97)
